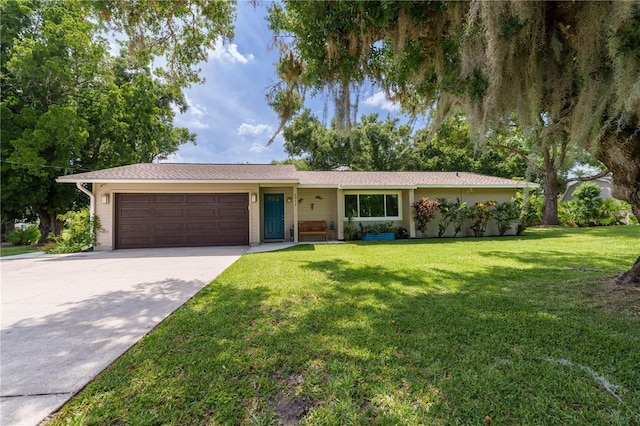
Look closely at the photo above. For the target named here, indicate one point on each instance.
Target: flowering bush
(450, 213)
(377, 228)
(424, 210)
(480, 214)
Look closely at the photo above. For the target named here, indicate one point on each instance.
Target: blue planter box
(384, 236)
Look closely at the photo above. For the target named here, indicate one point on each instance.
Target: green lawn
(15, 250)
(525, 330)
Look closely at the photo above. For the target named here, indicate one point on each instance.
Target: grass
(15, 250)
(525, 330)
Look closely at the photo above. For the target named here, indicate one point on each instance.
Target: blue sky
(229, 112)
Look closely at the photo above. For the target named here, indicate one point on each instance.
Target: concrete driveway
(66, 318)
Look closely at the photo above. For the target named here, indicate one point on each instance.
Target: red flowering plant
(424, 210)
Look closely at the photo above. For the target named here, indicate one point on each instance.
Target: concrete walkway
(66, 318)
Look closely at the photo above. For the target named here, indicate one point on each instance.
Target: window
(375, 206)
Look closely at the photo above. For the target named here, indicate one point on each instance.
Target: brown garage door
(181, 220)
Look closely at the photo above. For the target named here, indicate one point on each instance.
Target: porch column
(412, 223)
(339, 215)
(295, 214)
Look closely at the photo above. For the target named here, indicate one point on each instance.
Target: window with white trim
(374, 205)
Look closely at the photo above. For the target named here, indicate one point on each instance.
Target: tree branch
(587, 178)
(521, 153)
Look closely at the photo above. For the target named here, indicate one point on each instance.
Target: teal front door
(273, 216)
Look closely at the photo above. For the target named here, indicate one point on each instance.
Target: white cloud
(193, 118)
(247, 129)
(228, 53)
(379, 100)
(259, 148)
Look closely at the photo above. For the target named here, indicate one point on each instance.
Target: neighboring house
(604, 183)
(174, 205)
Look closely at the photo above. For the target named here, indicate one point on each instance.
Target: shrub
(505, 213)
(450, 213)
(79, 233)
(402, 233)
(590, 212)
(23, 237)
(615, 212)
(349, 231)
(424, 210)
(587, 198)
(569, 213)
(530, 203)
(377, 228)
(480, 214)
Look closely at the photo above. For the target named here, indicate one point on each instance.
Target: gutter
(92, 206)
(180, 181)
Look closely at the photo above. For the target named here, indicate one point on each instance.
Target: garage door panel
(201, 227)
(135, 242)
(203, 212)
(168, 240)
(170, 227)
(141, 228)
(231, 227)
(135, 213)
(168, 198)
(181, 220)
(229, 240)
(232, 212)
(201, 198)
(232, 198)
(168, 213)
(136, 199)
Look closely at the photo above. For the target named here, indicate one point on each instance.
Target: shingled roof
(188, 172)
(404, 179)
(227, 173)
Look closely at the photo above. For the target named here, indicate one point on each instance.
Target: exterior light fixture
(289, 199)
(254, 198)
(105, 198)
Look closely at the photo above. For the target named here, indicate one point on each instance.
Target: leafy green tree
(318, 146)
(451, 147)
(577, 63)
(373, 145)
(380, 145)
(69, 106)
(181, 32)
(549, 158)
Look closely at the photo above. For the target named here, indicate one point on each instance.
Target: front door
(273, 216)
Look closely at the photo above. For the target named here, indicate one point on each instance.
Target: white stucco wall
(469, 196)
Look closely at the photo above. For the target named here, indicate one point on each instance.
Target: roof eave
(350, 187)
(480, 186)
(181, 181)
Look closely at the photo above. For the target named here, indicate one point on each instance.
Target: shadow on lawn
(457, 353)
(366, 344)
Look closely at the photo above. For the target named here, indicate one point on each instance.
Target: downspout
(92, 208)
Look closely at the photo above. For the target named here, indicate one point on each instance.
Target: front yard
(512, 330)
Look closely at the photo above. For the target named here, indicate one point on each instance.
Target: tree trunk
(551, 191)
(49, 226)
(620, 152)
(631, 277)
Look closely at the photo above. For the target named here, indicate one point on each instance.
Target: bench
(312, 227)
